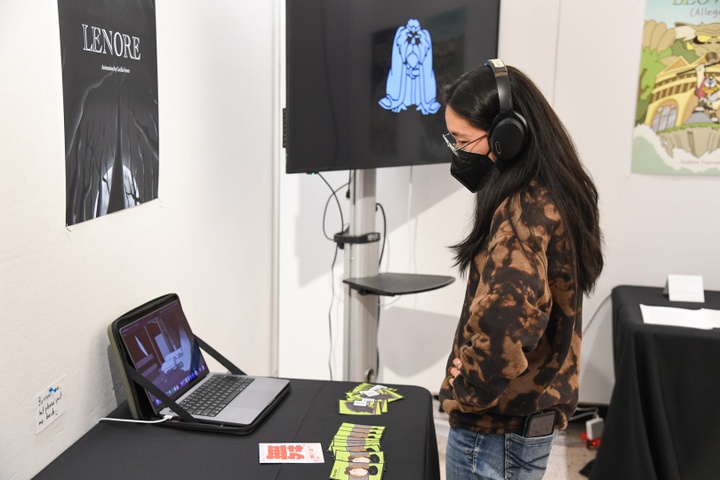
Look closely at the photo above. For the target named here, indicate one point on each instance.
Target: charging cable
(127, 420)
(594, 413)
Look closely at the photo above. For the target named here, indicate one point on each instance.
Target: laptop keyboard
(212, 396)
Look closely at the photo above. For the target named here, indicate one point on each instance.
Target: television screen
(364, 76)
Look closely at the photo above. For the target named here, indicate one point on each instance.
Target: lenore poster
(677, 125)
(110, 94)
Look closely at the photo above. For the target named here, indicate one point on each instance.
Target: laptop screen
(162, 348)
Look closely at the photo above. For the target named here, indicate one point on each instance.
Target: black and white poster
(110, 96)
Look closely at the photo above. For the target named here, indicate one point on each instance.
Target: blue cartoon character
(411, 80)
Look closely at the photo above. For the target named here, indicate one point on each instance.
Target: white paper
(714, 316)
(703, 318)
(50, 405)
(685, 288)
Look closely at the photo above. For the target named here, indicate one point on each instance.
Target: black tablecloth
(309, 414)
(664, 416)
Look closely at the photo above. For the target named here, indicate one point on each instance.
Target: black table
(663, 421)
(309, 414)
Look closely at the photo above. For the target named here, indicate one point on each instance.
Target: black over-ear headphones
(508, 130)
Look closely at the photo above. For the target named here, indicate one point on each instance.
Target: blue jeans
(481, 456)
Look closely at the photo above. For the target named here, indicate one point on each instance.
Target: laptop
(156, 339)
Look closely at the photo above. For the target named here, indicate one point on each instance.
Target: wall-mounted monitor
(364, 76)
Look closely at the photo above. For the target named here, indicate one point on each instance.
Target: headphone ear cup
(507, 135)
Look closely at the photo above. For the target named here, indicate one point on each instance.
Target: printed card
(360, 457)
(291, 453)
(347, 470)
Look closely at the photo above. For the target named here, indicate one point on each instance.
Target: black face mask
(471, 169)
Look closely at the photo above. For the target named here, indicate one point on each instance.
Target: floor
(569, 454)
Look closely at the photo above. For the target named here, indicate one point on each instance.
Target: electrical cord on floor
(582, 412)
(127, 420)
(583, 415)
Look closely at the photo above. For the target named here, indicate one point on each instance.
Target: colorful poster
(677, 130)
(110, 98)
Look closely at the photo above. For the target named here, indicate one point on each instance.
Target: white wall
(212, 234)
(585, 57)
(207, 237)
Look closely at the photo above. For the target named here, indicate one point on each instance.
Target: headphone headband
(503, 83)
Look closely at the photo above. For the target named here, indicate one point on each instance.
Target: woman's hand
(454, 371)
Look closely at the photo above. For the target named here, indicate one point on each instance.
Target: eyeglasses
(452, 143)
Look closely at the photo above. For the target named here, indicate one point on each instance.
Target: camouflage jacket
(520, 329)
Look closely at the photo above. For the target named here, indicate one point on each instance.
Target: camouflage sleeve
(508, 315)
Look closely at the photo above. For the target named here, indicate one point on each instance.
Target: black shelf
(392, 284)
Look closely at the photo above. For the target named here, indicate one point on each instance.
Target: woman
(534, 249)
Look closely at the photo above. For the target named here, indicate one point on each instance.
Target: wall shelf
(398, 283)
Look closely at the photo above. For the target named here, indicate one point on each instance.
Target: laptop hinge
(152, 388)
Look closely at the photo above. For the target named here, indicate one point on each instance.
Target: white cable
(412, 231)
(127, 420)
(586, 409)
(586, 326)
(588, 414)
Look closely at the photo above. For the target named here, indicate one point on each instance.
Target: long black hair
(549, 157)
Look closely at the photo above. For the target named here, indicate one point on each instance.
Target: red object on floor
(591, 444)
